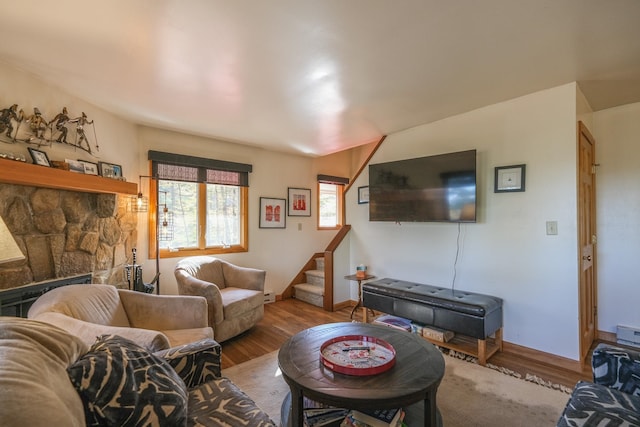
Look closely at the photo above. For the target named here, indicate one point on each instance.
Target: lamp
(139, 203)
(9, 250)
(165, 227)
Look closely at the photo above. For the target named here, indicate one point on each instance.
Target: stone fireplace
(65, 233)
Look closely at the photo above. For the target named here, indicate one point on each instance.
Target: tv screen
(433, 188)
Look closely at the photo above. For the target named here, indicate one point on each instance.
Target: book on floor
(379, 417)
(325, 417)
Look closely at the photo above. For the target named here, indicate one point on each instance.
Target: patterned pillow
(122, 384)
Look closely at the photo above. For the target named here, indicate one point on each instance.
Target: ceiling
(318, 76)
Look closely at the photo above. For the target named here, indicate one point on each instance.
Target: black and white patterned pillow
(122, 384)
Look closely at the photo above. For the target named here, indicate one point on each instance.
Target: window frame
(156, 158)
(339, 207)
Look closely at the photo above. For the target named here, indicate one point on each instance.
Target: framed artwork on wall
(299, 202)
(90, 168)
(363, 195)
(509, 178)
(272, 213)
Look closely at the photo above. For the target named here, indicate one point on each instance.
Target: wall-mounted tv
(440, 188)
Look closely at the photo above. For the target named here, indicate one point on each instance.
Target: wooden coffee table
(411, 383)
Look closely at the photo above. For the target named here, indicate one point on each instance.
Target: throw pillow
(122, 384)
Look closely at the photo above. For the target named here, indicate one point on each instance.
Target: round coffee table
(412, 382)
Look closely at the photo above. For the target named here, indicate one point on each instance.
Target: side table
(359, 279)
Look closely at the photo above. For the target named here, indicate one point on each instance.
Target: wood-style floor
(285, 318)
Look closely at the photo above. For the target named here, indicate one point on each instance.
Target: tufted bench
(470, 314)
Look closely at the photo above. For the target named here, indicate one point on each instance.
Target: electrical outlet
(552, 228)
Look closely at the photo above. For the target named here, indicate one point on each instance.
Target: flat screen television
(440, 188)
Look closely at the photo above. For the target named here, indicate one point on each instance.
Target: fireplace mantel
(15, 172)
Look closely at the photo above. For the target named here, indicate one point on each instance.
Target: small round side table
(359, 279)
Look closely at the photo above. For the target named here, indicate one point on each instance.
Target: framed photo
(110, 170)
(299, 202)
(75, 165)
(90, 168)
(363, 195)
(509, 178)
(39, 157)
(272, 213)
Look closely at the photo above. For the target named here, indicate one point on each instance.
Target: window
(201, 205)
(330, 191)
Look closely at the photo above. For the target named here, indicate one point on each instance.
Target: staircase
(312, 291)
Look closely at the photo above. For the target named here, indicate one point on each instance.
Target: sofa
(235, 295)
(156, 322)
(613, 398)
(49, 377)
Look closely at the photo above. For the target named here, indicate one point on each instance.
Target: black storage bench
(474, 316)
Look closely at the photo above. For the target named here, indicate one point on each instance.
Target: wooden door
(587, 240)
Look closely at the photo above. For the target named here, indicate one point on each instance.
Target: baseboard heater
(627, 335)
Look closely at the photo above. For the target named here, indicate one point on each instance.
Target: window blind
(178, 167)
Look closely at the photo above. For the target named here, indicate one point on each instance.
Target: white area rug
(469, 395)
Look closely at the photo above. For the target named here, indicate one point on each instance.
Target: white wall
(507, 252)
(117, 137)
(281, 252)
(616, 131)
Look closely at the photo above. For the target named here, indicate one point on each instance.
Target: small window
(330, 212)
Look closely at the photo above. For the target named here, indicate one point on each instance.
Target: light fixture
(139, 203)
(165, 226)
(9, 250)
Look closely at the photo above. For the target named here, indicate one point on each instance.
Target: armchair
(235, 295)
(156, 322)
(613, 398)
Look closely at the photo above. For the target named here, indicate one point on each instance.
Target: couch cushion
(594, 405)
(122, 384)
(237, 301)
(35, 390)
(221, 403)
(92, 303)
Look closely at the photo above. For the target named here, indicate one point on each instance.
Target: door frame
(585, 344)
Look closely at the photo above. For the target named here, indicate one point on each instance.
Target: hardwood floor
(284, 319)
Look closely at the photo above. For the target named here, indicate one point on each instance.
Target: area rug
(469, 395)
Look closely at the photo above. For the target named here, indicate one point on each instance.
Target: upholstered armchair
(156, 322)
(235, 295)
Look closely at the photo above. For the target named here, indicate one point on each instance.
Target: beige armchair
(156, 322)
(235, 295)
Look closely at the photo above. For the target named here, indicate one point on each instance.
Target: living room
(506, 253)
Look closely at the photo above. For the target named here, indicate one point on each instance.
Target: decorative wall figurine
(35, 129)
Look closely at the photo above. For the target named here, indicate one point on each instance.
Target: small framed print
(110, 170)
(509, 178)
(75, 165)
(90, 168)
(39, 157)
(299, 202)
(272, 213)
(363, 195)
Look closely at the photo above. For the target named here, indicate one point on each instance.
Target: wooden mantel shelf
(15, 172)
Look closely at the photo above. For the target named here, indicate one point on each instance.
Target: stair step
(315, 277)
(320, 263)
(309, 293)
(309, 287)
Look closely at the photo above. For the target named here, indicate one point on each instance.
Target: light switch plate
(552, 228)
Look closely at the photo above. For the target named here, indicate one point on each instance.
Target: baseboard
(542, 357)
(344, 304)
(607, 336)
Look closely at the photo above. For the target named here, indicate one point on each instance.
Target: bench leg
(482, 352)
(499, 339)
